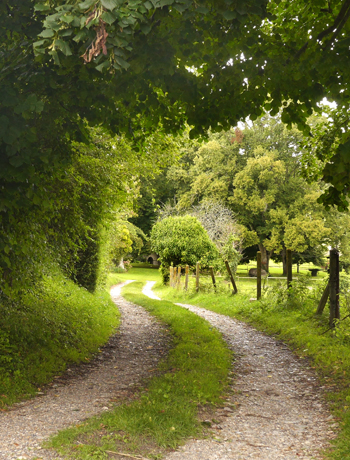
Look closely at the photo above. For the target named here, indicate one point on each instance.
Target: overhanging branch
(335, 28)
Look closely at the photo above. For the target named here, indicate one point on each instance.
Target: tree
(277, 205)
(182, 240)
(220, 225)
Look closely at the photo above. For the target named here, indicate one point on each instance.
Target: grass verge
(294, 322)
(194, 373)
(56, 324)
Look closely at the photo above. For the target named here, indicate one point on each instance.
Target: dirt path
(86, 390)
(275, 411)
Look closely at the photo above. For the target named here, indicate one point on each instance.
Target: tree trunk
(265, 258)
(284, 260)
(333, 286)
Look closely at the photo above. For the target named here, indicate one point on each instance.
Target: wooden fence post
(334, 312)
(323, 300)
(228, 268)
(213, 277)
(186, 277)
(197, 276)
(171, 268)
(289, 268)
(258, 275)
(178, 278)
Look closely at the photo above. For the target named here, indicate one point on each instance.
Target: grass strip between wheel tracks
(195, 373)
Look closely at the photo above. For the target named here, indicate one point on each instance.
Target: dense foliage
(256, 172)
(182, 240)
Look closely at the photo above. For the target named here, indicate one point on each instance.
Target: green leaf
(122, 63)
(36, 199)
(16, 161)
(202, 9)
(146, 28)
(180, 8)
(85, 5)
(109, 4)
(38, 43)
(229, 15)
(68, 18)
(104, 65)
(148, 5)
(81, 35)
(55, 57)
(108, 17)
(47, 33)
(66, 32)
(165, 3)
(41, 7)
(63, 46)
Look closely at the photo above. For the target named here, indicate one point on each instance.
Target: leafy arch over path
(248, 56)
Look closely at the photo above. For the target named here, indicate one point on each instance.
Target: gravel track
(88, 389)
(276, 410)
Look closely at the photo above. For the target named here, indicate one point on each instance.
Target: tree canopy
(211, 63)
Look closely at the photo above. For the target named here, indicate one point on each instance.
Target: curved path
(88, 389)
(275, 411)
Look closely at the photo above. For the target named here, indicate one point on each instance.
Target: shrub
(182, 240)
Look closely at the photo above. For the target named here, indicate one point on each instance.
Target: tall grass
(54, 324)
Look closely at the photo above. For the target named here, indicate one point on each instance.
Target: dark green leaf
(55, 57)
(66, 32)
(104, 65)
(81, 35)
(63, 46)
(229, 15)
(180, 8)
(108, 17)
(109, 4)
(47, 33)
(146, 28)
(202, 9)
(87, 4)
(122, 63)
(165, 3)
